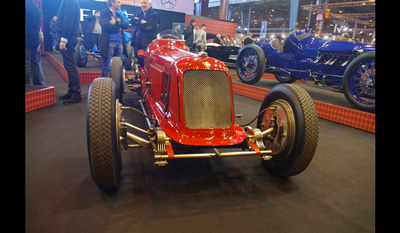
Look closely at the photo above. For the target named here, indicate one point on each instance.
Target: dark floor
(335, 194)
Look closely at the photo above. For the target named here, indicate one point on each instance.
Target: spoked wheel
(103, 134)
(116, 74)
(250, 64)
(292, 113)
(80, 53)
(359, 82)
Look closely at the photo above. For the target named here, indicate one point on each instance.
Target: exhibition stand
(45, 96)
(342, 115)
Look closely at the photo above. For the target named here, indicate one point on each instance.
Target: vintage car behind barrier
(226, 54)
(187, 101)
(347, 65)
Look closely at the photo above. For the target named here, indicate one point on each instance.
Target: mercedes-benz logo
(169, 4)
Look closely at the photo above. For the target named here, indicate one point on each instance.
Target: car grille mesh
(206, 99)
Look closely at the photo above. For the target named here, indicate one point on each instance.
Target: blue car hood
(343, 47)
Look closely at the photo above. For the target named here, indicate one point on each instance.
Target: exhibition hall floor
(336, 193)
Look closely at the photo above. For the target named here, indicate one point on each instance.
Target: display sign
(327, 12)
(184, 6)
(263, 31)
(320, 16)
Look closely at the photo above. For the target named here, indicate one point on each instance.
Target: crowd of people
(106, 28)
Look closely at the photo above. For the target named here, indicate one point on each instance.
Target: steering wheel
(169, 36)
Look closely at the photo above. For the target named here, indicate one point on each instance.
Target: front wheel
(291, 111)
(250, 64)
(103, 134)
(359, 82)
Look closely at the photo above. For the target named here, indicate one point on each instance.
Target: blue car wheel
(250, 64)
(80, 53)
(359, 82)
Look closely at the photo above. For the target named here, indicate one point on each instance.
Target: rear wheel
(130, 59)
(116, 74)
(80, 53)
(103, 139)
(291, 111)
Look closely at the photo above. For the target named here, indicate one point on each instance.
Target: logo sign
(169, 4)
(320, 16)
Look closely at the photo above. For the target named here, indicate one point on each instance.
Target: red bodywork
(165, 63)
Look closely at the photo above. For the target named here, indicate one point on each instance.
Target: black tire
(285, 79)
(294, 152)
(351, 69)
(130, 59)
(116, 75)
(80, 53)
(243, 67)
(103, 139)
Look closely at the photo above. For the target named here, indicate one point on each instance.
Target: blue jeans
(115, 48)
(54, 38)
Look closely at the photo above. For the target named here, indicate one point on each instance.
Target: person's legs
(107, 60)
(119, 49)
(27, 65)
(74, 85)
(41, 77)
(54, 42)
(35, 70)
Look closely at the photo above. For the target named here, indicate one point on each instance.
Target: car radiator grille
(206, 99)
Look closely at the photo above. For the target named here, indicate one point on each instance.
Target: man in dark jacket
(32, 26)
(248, 39)
(112, 39)
(94, 29)
(145, 24)
(67, 27)
(188, 34)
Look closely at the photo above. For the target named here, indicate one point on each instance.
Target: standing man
(145, 24)
(32, 28)
(112, 39)
(94, 29)
(200, 39)
(189, 33)
(67, 27)
(53, 33)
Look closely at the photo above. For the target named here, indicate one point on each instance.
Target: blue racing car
(347, 65)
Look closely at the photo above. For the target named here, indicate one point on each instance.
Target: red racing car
(187, 100)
